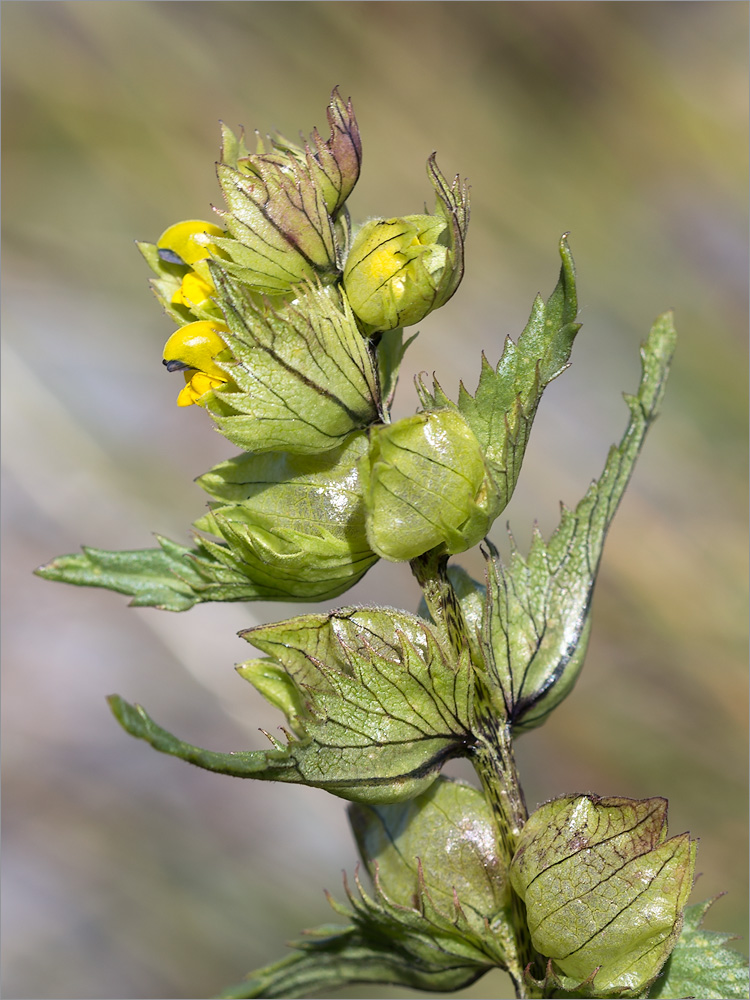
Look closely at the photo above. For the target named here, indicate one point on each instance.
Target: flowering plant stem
(492, 757)
(290, 336)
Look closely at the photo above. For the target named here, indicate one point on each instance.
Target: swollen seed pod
(604, 890)
(426, 486)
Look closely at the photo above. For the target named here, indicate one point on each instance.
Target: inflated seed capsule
(426, 485)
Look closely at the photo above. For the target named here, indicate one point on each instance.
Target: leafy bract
(293, 524)
(701, 965)
(171, 577)
(604, 890)
(303, 376)
(538, 609)
(502, 410)
(374, 949)
(376, 705)
(291, 528)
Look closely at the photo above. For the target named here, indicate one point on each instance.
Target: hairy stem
(430, 572)
(493, 757)
(494, 762)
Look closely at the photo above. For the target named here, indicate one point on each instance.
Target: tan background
(130, 874)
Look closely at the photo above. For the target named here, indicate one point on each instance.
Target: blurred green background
(129, 874)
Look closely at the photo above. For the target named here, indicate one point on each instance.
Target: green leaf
(502, 410)
(701, 965)
(538, 609)
(304, 377)
(443, 842)
(426, 486)
(604, 890)
(293, 524)
(172, 577)
(377, 704)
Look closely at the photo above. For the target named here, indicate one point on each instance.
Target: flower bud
(426, 485)
(393, 270)
(399, 270)
(285, 204)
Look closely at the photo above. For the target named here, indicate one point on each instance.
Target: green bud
(426, 485)
(285, 204)
(604, 890)
(399, 270)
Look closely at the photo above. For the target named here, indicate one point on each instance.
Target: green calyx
(604, 890)
(442, 842)
(399, 270)
(426, 486)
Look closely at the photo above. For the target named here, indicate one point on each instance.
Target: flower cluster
(290, 336)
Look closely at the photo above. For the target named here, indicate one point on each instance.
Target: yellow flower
(188, 242)
(192, 350)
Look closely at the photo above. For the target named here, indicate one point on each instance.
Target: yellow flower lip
(194, 291)
(197, 385)
(188, 242)
(195, 346)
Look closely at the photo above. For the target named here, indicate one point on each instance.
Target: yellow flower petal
(190, 240)
(193, 291)
(196, 345)
(197, 385)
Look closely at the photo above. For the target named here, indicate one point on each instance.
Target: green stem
(495, 764)
(493, 758)
(430, 572)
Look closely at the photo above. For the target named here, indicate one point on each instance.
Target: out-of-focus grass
(129, 874)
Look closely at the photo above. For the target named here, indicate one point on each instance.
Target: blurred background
(130, 874)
